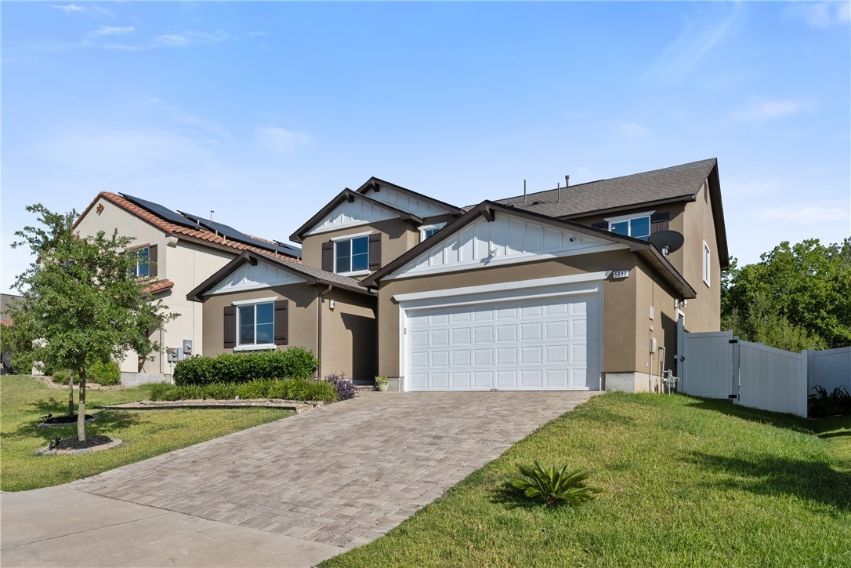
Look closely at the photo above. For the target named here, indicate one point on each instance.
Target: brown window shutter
(328, 256)
(659, 222)
(152, 260)
(602, 225)
(230, 326)
(375, 251)
(281, 322)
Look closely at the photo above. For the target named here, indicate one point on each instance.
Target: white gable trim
(503, 286)
(254, 277)
(508, 239)
(407, 202)
(351, 214)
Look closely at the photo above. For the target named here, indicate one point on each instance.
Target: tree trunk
(81, 412)
(70, 395)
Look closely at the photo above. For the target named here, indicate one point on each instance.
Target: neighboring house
(175, 252)
(557, 289)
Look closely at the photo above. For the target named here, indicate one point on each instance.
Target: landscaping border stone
(46, 451)
(297, 406)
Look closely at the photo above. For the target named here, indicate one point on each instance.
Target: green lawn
(686, 482)
(24, 400)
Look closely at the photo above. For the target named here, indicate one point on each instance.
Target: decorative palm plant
(553, 485)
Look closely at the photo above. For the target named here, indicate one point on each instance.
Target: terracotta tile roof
(159, 286)
(199, 233)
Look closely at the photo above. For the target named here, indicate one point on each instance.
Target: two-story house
(174, 251)
(559, 289)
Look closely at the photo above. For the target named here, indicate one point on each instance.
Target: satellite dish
(666, 241)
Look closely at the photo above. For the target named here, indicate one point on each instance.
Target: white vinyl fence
(719, 365)
(830, 368)
(772, 379)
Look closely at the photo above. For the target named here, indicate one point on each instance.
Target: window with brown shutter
(229, 332)
(659, 222)
(375, 251)
(328, 256)
(281, 322)
(152, 261)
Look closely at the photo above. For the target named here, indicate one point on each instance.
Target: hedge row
(101, 373)
(294, 363)
(289, 389)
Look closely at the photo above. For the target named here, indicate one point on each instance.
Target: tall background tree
(796, 297)
(80, 301)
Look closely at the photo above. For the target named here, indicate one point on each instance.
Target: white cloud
(769, 109)
(809, 215)
(111, 31)
(189, 38)
(87, 8)
(280, 140)
(821, 14)
(693, 43)
(69, 8)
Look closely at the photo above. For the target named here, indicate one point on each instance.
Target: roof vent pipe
(566, 181)
(524, 189)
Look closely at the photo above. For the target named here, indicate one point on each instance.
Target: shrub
(821, 403)
(289, 389)
(62, 377)
(552, 485)
(107, 373)
(343, 385)
(293, 363)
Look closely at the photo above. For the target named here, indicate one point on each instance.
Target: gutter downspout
(321, 298)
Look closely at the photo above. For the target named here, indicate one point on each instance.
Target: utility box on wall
(187, 348)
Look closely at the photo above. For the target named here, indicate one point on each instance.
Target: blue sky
(262, 112)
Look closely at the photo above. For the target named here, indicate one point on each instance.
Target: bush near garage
(293, 363)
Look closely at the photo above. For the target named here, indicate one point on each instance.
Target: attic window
(427, 231)
(636, 226)
(351, 255)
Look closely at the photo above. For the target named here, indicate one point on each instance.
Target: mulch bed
(73, 446)
(63, 420)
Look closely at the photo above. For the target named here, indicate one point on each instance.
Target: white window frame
(350, 238)
(706, 263)
(253, 346)
(629, 218)
(136, 252)
(424, 228)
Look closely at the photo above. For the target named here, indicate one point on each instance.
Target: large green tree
(796, 297)
(81, 303)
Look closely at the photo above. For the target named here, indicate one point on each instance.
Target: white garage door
(530, 344)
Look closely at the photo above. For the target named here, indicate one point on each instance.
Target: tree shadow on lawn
(104, 423)
(771, 476)
(824, 427)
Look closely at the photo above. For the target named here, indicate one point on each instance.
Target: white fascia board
(504, 286)
(497, 261)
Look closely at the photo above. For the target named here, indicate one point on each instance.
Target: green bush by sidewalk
(289, 389)
(293, 363)
(105, 374)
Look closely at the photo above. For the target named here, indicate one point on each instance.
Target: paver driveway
(341, 475)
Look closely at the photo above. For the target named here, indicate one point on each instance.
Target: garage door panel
(531, 344)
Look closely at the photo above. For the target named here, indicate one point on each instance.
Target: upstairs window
(351, 255)
(637, 227)
(707, 265)
(143, 262)
(256, 324)
(427, 231)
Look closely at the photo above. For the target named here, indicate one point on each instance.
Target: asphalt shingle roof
(681, 181)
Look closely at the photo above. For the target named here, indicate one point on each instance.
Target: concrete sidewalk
(62, 526)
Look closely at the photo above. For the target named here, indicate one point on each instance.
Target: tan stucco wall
(662, 325)
(396, 237)
(301, 311)
(619, 302)
(703, 313)
(186, 264)
(348, 331)
(349, 335)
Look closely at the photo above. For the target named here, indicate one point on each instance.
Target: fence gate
(707, 364)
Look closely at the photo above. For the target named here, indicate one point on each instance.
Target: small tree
(81, 302)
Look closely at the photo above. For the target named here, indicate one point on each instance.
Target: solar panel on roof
(159, 210)
(230, 233)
